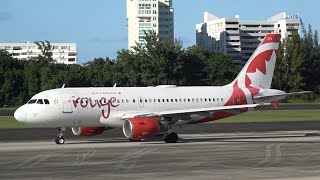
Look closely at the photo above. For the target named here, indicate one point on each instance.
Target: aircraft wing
(191, 111)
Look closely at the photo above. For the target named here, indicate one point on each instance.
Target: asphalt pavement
(241, 156)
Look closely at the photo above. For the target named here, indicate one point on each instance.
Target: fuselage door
(67, 102)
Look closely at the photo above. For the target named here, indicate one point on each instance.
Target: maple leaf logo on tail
(258, 71)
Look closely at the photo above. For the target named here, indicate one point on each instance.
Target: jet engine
(87, 131)
(141, 128)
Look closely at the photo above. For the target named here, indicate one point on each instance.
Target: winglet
(115, 85)
(63, 86)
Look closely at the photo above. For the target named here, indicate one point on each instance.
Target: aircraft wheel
(60, 140)
(171, 137)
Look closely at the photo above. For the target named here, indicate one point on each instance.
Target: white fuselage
(89, 107)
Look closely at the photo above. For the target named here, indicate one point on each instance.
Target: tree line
(157, 62)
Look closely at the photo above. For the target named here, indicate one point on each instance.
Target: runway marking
(31, 162)
(83, 157)
(268, 161)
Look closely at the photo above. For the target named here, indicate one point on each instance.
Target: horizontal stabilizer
(285, 94)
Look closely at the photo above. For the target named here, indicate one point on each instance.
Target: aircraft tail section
(259, 69)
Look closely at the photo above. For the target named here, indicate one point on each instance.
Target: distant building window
(55, 47)
(72, 54)
(64, 47)
(17, 48)
(72, 59)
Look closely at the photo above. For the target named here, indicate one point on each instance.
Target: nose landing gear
(60, 139)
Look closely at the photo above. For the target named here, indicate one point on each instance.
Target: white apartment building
(239, 38)
(64, 53)
(145, 15)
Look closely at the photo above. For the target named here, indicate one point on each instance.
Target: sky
(99, 27)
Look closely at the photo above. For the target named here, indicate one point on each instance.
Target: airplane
(145, 112)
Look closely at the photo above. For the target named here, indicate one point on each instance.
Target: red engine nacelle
(88, 131)
(141, 128)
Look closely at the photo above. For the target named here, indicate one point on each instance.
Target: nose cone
(21, 114)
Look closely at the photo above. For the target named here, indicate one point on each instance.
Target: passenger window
(167, 100)
(205, 99)
(209, 99)
(197, 100)
(134, 101)
(150, 100)
(141, 100)
(39, 101)
(32, 101)
(46, 101)
(127, 101)
(200, 99)
(221, 99)
(162, 100)
(192, 99)
(145, 100)
(188, 100)
(171, 100)
(213, 99)
(159, 100)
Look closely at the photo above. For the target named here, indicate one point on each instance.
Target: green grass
(253, 116)
(274, 116)
(8, 108)
(9, 122)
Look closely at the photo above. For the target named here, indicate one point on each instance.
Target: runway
(48, 134)
(245, 155)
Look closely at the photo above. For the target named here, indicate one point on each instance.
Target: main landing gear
(60, 139)
(171, 137)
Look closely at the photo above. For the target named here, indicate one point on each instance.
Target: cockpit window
(46, 101)
(32, 101)
(40, 101)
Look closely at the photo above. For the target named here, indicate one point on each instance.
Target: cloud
(5, 16)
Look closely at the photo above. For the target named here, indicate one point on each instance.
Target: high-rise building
(239, 38)
(64, 53)
(145, 15)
